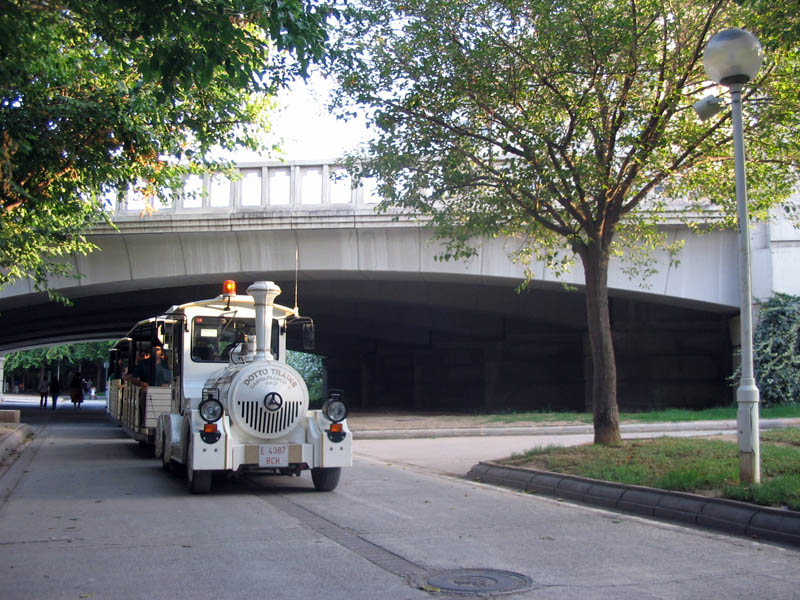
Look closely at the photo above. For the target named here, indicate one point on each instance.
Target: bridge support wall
(666, 358)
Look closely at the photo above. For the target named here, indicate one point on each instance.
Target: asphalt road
(84, 513)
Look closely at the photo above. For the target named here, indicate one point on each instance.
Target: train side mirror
(308, 336)
(300, 333)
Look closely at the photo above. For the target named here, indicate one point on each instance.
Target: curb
(727, 516)
(13, 440)
(695, 426)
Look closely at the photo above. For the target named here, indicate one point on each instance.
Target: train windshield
(214, 338)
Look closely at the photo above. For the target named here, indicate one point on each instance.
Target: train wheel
(166, 463)
(326, 480)
(199, 482)
(147, 448)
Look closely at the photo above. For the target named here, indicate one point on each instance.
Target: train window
(213, 338)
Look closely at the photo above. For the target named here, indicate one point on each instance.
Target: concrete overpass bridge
(400, 328)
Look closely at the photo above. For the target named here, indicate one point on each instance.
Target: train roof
(224, 303)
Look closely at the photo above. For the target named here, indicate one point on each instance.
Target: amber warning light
(229, 287)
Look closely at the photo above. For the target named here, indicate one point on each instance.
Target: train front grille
(268, 423)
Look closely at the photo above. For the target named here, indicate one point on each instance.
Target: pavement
(740, 518)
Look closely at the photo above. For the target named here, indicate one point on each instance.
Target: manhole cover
(478, 581)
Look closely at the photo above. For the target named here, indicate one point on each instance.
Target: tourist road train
(207, 386)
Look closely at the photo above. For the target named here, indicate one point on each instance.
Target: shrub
(776, 350)
(311, 368)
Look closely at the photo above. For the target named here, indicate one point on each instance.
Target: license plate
(273, 455)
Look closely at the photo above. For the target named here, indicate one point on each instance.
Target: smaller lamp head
(708, 107)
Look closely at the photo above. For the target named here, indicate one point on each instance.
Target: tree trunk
(604, 367)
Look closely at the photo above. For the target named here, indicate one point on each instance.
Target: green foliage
(780, 19)
(310, 367)
(67, 354)
(776, 350)
(102, 95)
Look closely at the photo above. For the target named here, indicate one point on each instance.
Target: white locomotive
(235, 404)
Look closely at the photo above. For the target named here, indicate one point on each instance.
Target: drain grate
(478, 582)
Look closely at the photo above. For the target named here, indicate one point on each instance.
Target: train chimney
(264, 294)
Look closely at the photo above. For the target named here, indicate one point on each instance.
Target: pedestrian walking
(76, 391)
(43, 387)
(55, 390)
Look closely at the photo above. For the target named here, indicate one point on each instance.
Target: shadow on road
(88, 444)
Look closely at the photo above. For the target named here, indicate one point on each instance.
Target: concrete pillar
(2, 376)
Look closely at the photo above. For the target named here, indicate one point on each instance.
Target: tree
(64, 354)
(566, 124)
(103, 95)
(780, 20)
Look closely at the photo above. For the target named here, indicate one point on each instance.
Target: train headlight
(334, 410)
(210, 410)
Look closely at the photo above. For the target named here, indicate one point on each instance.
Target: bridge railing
(293, 187)
(261, 186)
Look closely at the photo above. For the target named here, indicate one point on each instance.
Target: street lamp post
(732, 58)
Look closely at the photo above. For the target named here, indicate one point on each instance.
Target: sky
(307, 130)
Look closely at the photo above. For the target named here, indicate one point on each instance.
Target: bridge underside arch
(447, 344)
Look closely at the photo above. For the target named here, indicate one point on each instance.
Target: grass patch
(789, 436)
(780, 491)
(788, 411)
(721, 413)
(540, 417)
(684, 464)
